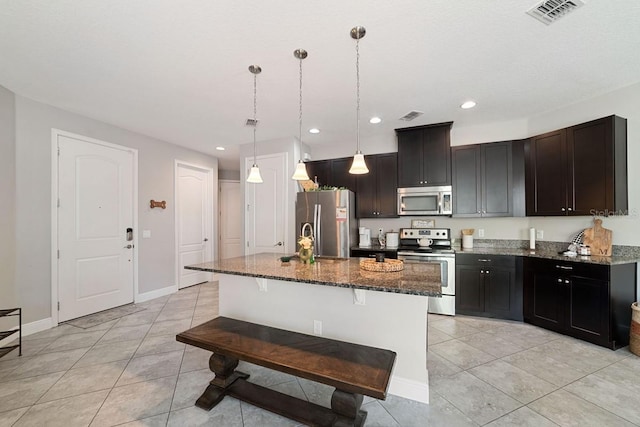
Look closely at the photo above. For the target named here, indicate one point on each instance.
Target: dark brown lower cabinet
(584, 300)
(489, 286)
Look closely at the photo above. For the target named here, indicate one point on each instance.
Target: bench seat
(354, 370)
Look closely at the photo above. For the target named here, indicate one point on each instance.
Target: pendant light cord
(300, 115)
(358, 95)
(255, 121)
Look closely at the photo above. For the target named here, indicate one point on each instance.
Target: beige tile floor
(130, 371)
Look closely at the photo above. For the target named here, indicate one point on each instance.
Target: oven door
(447, 267)
(446, 304)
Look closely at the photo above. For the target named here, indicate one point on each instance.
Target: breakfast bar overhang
(336, 299)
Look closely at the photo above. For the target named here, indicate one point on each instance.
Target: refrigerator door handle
(317, 230)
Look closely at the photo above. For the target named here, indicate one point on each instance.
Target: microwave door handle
(439, 203)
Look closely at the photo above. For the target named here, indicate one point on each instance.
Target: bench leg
(347, 407)
(224, 368)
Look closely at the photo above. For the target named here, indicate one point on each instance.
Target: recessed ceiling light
(468, 104)
(220, 148)
(375, 120)
(314, 130)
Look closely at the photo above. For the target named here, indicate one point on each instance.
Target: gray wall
(229, 175)
(7, 199)
(156, 262)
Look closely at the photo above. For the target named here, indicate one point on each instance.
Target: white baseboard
(29, 329)
(156, 294)
(410, 389)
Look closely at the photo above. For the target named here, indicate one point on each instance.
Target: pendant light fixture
(254, 174)
(358, 167)
(300, 173)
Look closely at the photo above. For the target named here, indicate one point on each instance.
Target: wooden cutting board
(598, 238)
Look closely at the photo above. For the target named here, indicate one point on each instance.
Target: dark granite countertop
(550, 253)
(416, 278)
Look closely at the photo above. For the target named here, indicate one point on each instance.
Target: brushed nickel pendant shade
(254, 175)
(359, 166)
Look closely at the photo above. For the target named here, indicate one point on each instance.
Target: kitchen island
(336, 299)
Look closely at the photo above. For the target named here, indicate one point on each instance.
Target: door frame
(55, 134)
(209, 205)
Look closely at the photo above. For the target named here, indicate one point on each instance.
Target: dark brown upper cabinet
(424, 155)
(377, 191)
(332, 172)
(484, 177)
(579, 170)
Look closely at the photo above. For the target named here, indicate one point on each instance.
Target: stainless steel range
(432, 245)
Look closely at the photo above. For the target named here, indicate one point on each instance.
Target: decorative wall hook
(161, 204)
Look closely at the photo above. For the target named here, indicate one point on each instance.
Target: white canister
(393, 239)
(467, 241)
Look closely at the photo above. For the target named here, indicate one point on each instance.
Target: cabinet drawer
(569, 268)
(486, 260)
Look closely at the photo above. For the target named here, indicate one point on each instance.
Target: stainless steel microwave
(425, 201)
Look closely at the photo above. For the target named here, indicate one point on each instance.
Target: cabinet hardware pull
(562, 209)
(566, 281)
(481, 271)
(484, 259)
(569, 209)
(564, 267)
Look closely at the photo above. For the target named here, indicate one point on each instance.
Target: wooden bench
(354, 370)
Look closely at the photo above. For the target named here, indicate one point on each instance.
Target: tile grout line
(125, 367)
(184, 350)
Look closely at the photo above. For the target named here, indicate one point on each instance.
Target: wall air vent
(411, 115)
(550, 11)
(252, 122)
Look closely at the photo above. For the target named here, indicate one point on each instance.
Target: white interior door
(266, 216)
(194, 222)
(95, 210)
(230, 201)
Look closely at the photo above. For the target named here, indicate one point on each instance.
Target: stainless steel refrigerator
(332, 217)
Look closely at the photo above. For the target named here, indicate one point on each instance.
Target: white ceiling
(177, 69)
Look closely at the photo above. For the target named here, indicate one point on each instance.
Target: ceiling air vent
(252, 122)
(411, 115)
(550, 11)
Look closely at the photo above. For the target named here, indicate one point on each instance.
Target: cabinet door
(544, 302)
(366, 203)
(547, 175)
(469, 290)
(436, 154)
(497, 179)
(591, 164)
(465, 168)
(387, 185)
(498, 287)
(410, 158)
(320, 171)
(588, 309)
(340, 176)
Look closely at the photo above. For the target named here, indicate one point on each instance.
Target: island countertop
(416, 278)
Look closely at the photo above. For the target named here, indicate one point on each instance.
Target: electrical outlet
(317, 327)
(480, 232)
(539, 234)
